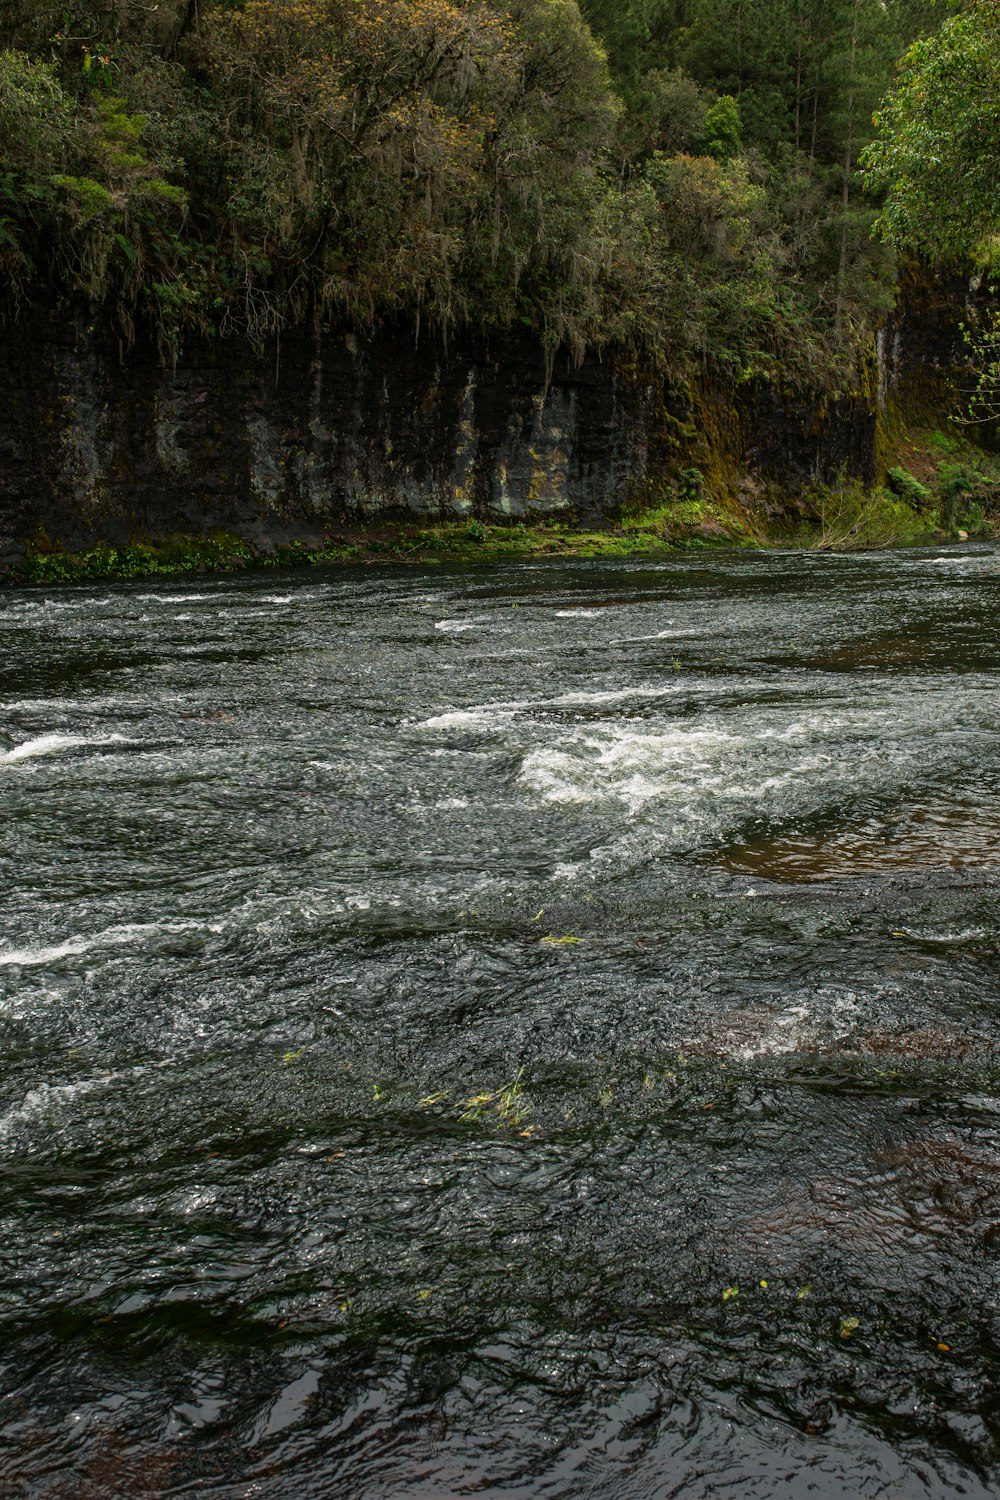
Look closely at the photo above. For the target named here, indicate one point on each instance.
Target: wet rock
(920, 1044)
(752, 1031)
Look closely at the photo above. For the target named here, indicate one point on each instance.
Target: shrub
(907, 487)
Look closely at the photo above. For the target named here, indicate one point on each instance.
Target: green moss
(224, 552)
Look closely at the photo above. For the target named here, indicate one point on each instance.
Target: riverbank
(956, 494)
(224, 552)
(330, 449)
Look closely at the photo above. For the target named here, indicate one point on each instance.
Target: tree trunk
(838, 319)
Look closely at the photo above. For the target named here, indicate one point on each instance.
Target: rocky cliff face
(320, 431)
(313, 432)
(922, 347)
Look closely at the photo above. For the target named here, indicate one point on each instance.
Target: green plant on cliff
(967, 492)
(907, 487)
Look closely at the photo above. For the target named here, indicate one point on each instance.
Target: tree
(936, 155)
(937, 159)
(635, 34)
(722, 128)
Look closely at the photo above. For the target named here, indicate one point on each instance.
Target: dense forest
(676, 178)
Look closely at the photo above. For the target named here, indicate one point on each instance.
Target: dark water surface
(529, 1030)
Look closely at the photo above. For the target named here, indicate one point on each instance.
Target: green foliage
(942, 442)
(722, 128)
(850, 517)
(635, 35)
(690, 484)
(936, 149)
(35, 115)
(961, 486)
(165, 192)
(907, 487)
(967, 494)
(221, 553)
(85, 198)
(671, 177)
(980, 405)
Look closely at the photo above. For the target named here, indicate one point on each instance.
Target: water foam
(659, 635)
(490, 714)
(28, 957)
(632, 768)
(791, 1030)
(469, 718)
(59, 606)
(47, 1096)
(179, 598)
(75, 705)
(130, 934)
(52, 744)
(50, 1098)
(456, 627)
(610, 695)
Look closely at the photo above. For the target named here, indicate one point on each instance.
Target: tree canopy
(676, 178)
(936, 156)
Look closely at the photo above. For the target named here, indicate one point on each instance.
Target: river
(527, 1030)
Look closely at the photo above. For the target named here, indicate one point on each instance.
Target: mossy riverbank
(947, 491)
(225, 552)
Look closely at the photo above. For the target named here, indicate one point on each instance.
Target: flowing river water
(527, 1030)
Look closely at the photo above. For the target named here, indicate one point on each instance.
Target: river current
(527, 1030)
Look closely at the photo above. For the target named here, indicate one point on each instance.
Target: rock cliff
(320, 430)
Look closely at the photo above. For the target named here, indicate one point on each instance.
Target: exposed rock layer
(326, 430)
